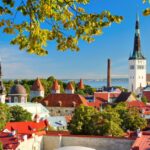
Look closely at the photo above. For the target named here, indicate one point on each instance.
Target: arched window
(22, 99)
(15, 99)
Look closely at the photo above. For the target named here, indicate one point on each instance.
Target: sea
(98, 83)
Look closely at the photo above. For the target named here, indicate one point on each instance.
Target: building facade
(137, 64)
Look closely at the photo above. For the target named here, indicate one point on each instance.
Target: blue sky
(91, 61)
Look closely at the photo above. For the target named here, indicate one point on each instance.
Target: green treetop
(64, 21)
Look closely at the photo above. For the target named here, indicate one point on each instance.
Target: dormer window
(74, 104)
(60, 103)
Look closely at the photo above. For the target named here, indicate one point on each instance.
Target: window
(132, 67)
(15, 99)
(140, 67)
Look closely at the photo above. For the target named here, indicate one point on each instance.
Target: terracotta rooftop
(67, 100)
(81, 85)
(136, 103)
(69, 86)
(37, 85)
(142, 143)
(26, 127)
(9, 142)
(104, 96)
(55, 86)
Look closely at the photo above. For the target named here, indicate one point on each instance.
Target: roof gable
(67, 100)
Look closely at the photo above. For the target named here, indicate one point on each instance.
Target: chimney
(108, 73)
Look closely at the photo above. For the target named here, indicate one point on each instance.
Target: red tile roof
(136, 103)
(81, 85)
(37, 85)
(69, 86)
(55, 86)
(95, 104)
(142, 143)
(67, 100)
(26, 127)
(104, 96)
(9, 142)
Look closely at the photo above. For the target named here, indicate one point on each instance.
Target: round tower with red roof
(55, 87)
(69, 89)
(37, 89)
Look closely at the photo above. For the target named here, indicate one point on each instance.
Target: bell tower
(137, 63)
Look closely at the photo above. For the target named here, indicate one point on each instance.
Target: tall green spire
(137, 54)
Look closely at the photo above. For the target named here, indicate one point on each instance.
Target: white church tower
(137, 64)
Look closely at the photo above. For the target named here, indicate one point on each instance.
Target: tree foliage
(4, 115)
(1, 146)
(131, 117)
(112, 121)
(20, 114)
(87, 120)
(146, 12)
(64, 21)
(144, 99)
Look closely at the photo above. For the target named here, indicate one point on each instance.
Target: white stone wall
(55, 91)
(60, 111)
(137, 74)
(69, 91)
(35, 143)
(36, 94)
(98, 143)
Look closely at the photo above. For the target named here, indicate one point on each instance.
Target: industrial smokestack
(108, 73)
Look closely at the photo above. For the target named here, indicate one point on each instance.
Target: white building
(37, 89)
(137, 64)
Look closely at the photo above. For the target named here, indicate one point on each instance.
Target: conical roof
(69, 86)
(55, 86)
(37, 85)
(81, 85)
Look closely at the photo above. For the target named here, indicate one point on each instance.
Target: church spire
(137, 41)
